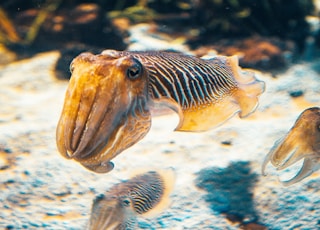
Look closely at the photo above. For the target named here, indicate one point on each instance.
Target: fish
(110, 98)
(145, 195)
(301, 142)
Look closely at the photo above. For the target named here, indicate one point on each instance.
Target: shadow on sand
(229, 191)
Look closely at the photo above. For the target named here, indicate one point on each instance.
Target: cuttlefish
(301, 142)
(146, 194)
(110, 97)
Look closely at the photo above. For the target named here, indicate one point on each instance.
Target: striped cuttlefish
(301, 142)
(110, 97)
(145, 195)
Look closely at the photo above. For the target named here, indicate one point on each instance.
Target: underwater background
(218, 182)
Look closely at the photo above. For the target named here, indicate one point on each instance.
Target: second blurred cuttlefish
(110, 96)
(302, 141)
(146, 194)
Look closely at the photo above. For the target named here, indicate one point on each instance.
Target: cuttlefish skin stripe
(110, 95)
(301, 142)
(205, 93)
(145, 194)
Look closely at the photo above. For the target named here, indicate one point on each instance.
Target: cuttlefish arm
(301, 142)
(105, 110)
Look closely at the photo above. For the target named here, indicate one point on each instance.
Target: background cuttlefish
(110, 95)
(146, 194)
(302, 141)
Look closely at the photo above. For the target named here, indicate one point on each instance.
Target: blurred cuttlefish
(145, 194)
(302, 141)
(110, 96)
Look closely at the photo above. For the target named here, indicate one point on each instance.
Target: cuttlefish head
(105, 109)
(112, 212)
(301, 142)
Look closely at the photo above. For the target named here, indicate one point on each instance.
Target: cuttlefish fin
(208, 116)
(249, 88)
(200, 119)
(243, 99)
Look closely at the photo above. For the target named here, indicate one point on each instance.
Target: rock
(266, 54)
(297, 93)
(6, 56)
(84, 24)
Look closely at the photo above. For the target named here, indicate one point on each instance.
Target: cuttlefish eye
(126, 202)
(134, 71)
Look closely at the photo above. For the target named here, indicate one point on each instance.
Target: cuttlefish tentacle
(301, 142)
(137, 124)
(110, 96)
(310, 165)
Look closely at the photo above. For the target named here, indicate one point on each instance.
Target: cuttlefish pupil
(109, 98)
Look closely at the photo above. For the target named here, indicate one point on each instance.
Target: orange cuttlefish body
(110, 95)
(302, 141)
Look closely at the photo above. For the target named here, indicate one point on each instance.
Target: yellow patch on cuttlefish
(110, 95)
(301, 142)
(146, 194)
(242, 99)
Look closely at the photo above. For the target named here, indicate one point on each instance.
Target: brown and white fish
(146, 194)
(110, 96)
(301, 142)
